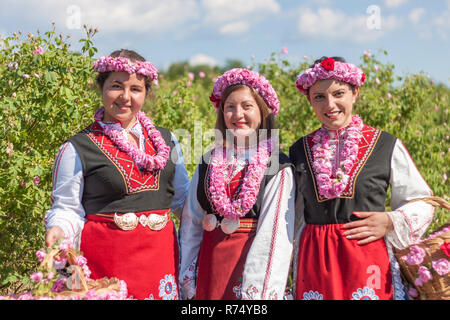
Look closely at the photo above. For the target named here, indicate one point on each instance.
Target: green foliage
(45, 99)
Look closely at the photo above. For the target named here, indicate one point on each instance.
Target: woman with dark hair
(116, 183)
(237, 223)
(343, 170)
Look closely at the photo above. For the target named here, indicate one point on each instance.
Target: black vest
(273, 168)
(110, 186)
(370, 184)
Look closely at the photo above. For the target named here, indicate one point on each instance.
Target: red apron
(332, 267)
(222, 257)
(146, 260)
(221, 264)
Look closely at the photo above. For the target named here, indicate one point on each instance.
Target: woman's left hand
(373, 226)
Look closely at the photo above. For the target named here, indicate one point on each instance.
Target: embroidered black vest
(366, 190)
(112, 180)
(273, 168)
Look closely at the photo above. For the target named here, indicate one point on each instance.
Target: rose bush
(47, 94)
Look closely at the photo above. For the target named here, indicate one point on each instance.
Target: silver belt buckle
(129, 221)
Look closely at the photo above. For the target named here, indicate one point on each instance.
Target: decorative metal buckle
(127, 221)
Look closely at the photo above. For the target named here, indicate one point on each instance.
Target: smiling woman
(343, 171)
(115, 185)
(237, 224)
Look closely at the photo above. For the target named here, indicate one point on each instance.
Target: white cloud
(234, 28)
(335, 24)
(442, 24)
(237, 16)
(416, 14)
(111, 16)
(203, 59)
(394, 3)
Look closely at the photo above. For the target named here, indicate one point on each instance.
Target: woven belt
(247, 225)
(130, 220)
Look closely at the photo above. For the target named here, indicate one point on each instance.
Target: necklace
(143, 160)
(332, 187)
(232, 210)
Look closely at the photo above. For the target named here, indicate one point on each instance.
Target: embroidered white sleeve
(67, 212)
(181, 179)
(267, 266)
(191, 235)
(410, 220)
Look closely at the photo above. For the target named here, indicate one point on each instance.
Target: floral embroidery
(312, 295)
(168, 288)
(238, 291)
(365, 293)
(251, 292)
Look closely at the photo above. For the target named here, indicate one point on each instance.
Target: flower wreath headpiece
(107, 64)
(249, 78)
(330, 69)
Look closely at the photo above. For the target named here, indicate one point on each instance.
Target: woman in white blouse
(237, 224)
(116, 183)
(344, 237)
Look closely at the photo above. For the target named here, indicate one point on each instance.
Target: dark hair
(267, 117)
(340, 59)
(130, 54)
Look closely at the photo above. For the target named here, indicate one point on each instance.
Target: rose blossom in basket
(441, 266)
(424, 275)
(415, 255)
(445, 247)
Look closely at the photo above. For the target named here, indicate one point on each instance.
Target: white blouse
(267, 264)
(67, 211)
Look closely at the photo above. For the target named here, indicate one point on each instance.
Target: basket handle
(434, 201)
(77, 272)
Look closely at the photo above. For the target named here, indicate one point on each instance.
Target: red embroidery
(135, 180)
(366, 145)
(274, 237)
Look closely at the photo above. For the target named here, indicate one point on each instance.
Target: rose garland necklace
(232, 210)
(328, 186)
(143, 160)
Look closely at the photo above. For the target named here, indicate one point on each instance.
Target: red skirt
(221, 263)
(146, 260)
(332, 267)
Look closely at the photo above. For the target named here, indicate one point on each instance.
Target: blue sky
(416, 33)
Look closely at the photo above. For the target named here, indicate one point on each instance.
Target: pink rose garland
(238, 208)
(108, 64)
(330, 69)
(328, 186)
(148, 162)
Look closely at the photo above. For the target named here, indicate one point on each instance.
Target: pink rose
(36, 180)
(37, 276)
(413, 292)
(441, 266)
(415, 256)
(424, 274)
(80, 260)
(40, 254)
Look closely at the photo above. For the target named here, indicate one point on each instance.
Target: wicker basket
(437, 288)
(77, 286)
